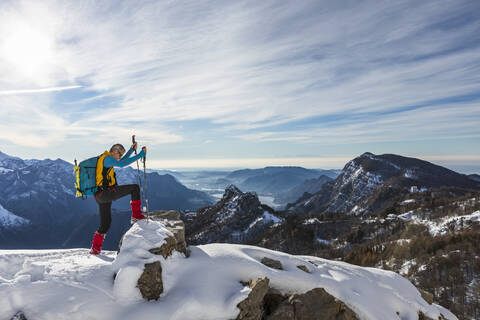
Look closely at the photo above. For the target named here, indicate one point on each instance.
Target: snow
(410, 173)
(408, 201)
(323, 241)
(8, 219)
(5, 170)
(406, 266)
(71, 284)
(271, 217)
(443, 226)
(311, 221)
(67, 190)
(265, 218)
(407, 216)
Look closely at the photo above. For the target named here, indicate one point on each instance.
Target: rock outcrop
(236, 218)
(311, 304)
(150, 282)
(272, 263)
(252, 307)
(175, 225)
(268, 303)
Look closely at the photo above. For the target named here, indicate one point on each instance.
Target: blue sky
(242, 83)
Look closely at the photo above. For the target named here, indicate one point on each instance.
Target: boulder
(427, 296)
(272, 263)
(309, 305)
(150, 282)
(422, 316)
(252, 307)
(270, 304)
(303, 268)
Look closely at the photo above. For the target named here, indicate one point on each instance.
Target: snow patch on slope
(8, 219)
(444, 225)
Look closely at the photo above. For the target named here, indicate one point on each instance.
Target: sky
(242, 83)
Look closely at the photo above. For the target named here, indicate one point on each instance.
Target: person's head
(117, 151)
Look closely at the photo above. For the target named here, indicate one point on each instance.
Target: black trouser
(104, 199)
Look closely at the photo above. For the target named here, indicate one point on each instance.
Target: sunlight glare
(28, 51)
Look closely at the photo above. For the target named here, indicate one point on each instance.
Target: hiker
(109, 190)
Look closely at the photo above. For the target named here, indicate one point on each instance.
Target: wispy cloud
(252, 70)
(27, 91)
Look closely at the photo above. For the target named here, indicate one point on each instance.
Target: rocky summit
(237, 217)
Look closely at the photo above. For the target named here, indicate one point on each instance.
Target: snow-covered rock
(209, 284)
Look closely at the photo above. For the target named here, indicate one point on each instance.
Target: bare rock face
(272, 263)
(310, 305)
(150, 282)
(252, 307)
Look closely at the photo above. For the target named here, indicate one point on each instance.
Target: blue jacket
(110, 161)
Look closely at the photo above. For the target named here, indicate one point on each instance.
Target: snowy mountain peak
(367, 155)
(230, 192)
(8, 219)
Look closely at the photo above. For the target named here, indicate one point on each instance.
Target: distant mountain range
(309, 186)
(279, 184)
(42, 190)
(371, 182)
(38, 207)
(275, 180)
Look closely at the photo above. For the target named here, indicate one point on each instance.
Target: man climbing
(109, 190)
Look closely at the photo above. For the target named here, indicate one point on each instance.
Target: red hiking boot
(97, 243)
(136, 211)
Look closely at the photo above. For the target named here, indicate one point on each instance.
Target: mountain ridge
(382, 176)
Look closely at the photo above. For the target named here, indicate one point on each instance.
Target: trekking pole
(146, 185)
(138, 172)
